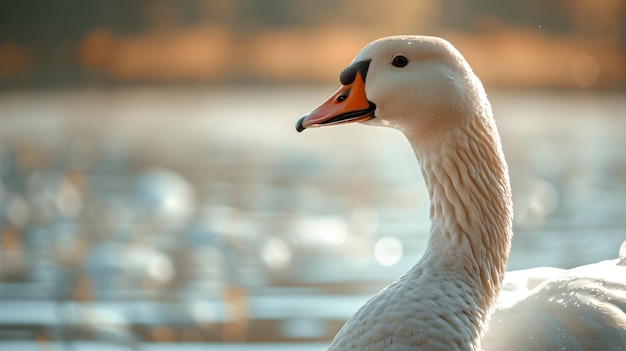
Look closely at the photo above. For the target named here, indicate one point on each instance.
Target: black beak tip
(299, 126)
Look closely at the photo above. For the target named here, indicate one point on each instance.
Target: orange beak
(347, 105)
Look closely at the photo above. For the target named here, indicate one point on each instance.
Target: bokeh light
(388, 251)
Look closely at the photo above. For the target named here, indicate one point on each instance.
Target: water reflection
(121, 228)
(388, 251)
(321, 231)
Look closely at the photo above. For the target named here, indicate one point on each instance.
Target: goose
(452, 298)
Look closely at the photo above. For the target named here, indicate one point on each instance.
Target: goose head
(417, 84)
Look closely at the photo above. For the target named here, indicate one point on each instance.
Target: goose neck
(470, 208)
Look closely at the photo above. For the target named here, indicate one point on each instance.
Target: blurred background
(154, 194)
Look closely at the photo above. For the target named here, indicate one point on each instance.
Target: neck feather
(444, 301)
(471, 211)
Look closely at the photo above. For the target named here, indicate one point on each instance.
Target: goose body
(451, 299)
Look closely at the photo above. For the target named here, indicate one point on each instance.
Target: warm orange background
(529, 44)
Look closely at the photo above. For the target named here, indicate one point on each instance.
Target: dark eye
(400, 61)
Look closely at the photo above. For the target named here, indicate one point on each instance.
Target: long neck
(471, 212)
(444, 301)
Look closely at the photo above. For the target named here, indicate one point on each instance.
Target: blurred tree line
(41, 41)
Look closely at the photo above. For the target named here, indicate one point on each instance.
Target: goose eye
(400, 61)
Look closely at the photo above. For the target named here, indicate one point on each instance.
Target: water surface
(139, 217)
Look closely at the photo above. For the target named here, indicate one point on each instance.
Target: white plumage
(454, 297)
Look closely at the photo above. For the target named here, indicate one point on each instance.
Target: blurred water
(140, 217)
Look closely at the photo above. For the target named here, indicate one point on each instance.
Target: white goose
(425, 88)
